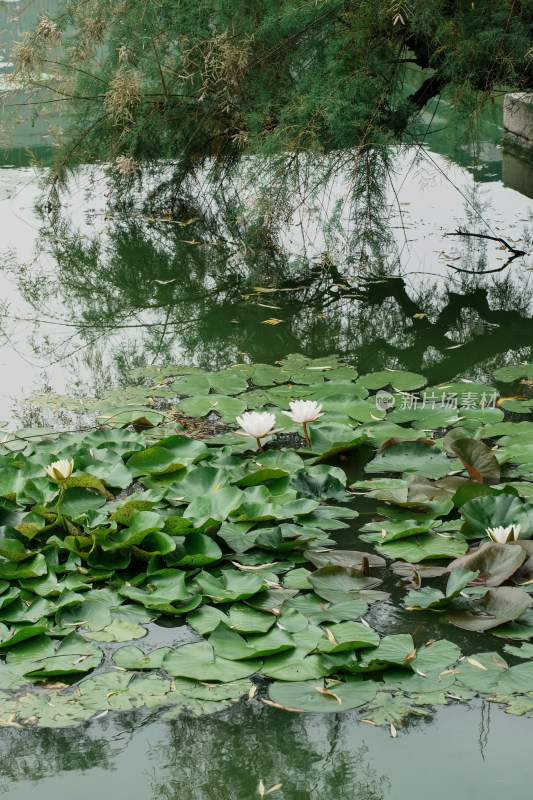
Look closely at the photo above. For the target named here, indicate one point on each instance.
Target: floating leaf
(424, 459)
(493, 511)
(478, 459)
(74, 656)
(314, 696)
(498, 606)
(199, 661)
(494, 562)
(339, 584)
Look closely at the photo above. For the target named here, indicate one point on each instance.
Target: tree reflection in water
(154, 291)
(323, 757)
(314, 756)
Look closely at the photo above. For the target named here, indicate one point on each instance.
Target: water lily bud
(503, 535)
(60, 470)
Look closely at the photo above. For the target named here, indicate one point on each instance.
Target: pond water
(86, 300)
(458, 752)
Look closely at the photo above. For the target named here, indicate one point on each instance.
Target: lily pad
(317, 696)
(418, 457)
(494, 562)
(353, 559)
(339, 584)
(74, 656)
(493, 511)
(496, 607)
(199, 661)
(229, 644)
(230, 586)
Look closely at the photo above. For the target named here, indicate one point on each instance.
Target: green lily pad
(493, 511)
(74, 656)
(317, 696)
(229, 644)
(165, 591)
(353, 559)
(427, 546)
(317, 611)
(347, 636)
(118, 691)
(294, 665)
(199, 661)
(231, 586)
(339, 584)
(240, 618)
(423, 459)
(131, 657)
(215, 506)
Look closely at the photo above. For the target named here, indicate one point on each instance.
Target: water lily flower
(503, 535)
(304, 411)
(257, 425)
(60, 470)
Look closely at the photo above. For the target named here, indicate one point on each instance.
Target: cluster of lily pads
(231, 555)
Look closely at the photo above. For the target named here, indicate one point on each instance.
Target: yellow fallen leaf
(476, 663)
(272, 321)
(329, 693)
(245, 567)
(278, 705)
(8, 722)
(330, 636)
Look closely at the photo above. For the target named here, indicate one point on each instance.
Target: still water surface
(463, 752)
(89, 298)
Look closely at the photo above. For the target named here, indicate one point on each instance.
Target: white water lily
(60, 470)
(304, 411)
(503, 535)
(257, 425)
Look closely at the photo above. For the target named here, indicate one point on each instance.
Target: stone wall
(518, 118)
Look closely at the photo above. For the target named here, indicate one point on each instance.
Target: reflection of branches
(484, 727)
(311, 755)
(514, 253)
(150, 292)
(428, 334)
(32, 755)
